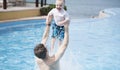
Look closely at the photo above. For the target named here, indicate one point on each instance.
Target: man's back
(47, 64)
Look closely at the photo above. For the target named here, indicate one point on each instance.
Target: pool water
(17, 40)
(94, 44)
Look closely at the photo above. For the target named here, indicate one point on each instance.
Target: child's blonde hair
(62, 1)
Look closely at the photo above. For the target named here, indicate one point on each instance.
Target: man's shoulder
(38, 59)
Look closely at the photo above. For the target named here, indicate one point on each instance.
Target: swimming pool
(94, 44)
(17, 40)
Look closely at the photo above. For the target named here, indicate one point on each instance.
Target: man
(44, 61)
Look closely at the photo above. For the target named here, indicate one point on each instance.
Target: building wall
(7, 15)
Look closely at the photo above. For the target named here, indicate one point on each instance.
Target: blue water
(94, 43)
(17, 40)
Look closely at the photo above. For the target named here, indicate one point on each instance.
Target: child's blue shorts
(58, 31)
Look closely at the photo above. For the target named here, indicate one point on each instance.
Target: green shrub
(45, 10)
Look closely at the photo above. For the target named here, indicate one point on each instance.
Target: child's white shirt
(59, 15)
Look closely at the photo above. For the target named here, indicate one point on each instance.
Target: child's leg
(52, 44)
(54, 36)
(60, 42)
(61, 35)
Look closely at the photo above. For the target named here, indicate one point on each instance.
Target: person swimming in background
(61, 17)
(43, 59)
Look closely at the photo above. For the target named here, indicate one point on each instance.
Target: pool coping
(28, 18)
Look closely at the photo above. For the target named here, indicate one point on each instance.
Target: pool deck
(28, 18)
(18, 12)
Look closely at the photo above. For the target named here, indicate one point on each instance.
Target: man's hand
(46, 34)
(66, 26)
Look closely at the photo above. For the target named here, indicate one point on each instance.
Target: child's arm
(66, 19)
(64, 22)
(49, 19)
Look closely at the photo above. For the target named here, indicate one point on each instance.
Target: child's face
(59, 5)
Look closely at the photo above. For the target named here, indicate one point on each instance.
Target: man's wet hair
(40, 51)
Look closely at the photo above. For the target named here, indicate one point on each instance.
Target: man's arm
(47, 29)
(64, 45)
(45, 34)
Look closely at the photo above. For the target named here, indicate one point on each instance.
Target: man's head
(40, 51)
(59, 4)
